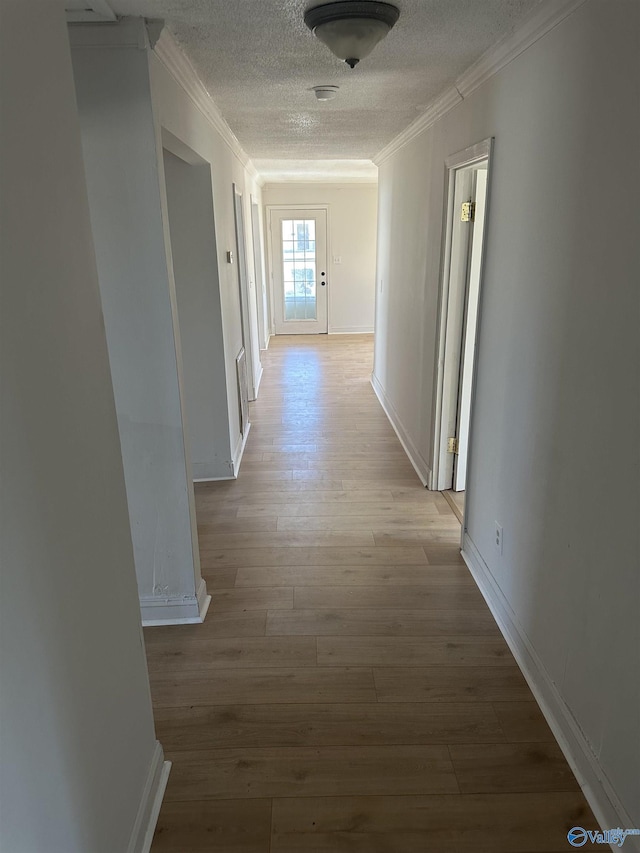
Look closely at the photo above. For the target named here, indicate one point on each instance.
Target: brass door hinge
(453, 445)
(468, 211)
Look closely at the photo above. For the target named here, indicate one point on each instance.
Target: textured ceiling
(258, 61)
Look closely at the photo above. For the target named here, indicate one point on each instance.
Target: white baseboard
(351, 330)
(204, 472)
(237, 456)
(204, 599)
(607, 808)
(213, 479)
(147, 817)
(266, 345)
(260, 375)
(419, 463)
(175, 609)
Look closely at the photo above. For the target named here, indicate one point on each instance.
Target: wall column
(122, 147)
(80, 767)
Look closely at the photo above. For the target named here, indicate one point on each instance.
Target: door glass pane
(299, 268)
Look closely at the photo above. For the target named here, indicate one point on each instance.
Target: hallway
(349, 689)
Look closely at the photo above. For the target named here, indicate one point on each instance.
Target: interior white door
(300, 280)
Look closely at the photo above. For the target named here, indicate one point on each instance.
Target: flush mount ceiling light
(325, 93)
(351, 29)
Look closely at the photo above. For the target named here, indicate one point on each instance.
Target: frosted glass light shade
(352, 38)
(351, 30)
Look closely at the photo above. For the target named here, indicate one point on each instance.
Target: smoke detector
(325, 93)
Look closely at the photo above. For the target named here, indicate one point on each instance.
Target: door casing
(447, 368)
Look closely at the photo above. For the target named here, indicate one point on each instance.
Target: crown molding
(439, 107)
(552, 13)
(332, 183)
(183, 72)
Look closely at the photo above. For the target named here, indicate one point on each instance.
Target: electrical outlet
(499, 538)
(337, 259)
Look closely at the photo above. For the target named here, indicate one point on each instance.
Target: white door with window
(299, 258)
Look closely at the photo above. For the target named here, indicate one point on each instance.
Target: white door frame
(262, 296)
(249, 342)
(446, 375)
(273, 208)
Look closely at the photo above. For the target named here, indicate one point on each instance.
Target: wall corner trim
(544, 19)
(183, 72)
(599, 793)
(421, 467)
(175, 609)
(239, 453)
(152, 796)
(260, 375)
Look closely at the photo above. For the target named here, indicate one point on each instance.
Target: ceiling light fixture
(325, 93)
(351, 28)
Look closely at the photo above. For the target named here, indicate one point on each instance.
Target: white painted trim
(213, 479)
(316, 182)
(417, 460)
(204, 599)
(175, 609)
(97, 11)
(183, 72)
(477, 153)
(156, 806)
(322, 206)
(260, 375)
(598, 791)
(438, 108)
(149, 809)
(352, 330)
(237, 456)
(541, 22)
(128, 32)
(203, 471)
(266, 346)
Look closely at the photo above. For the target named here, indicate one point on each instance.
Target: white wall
(555, 428)
(124, 179)
(77, 739)
(177, 113)
(195, 267)
(352, 237)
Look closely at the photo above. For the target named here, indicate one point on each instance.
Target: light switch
(229, 257)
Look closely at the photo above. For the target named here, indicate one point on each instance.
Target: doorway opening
(298, 252)
(199, 336)
(466, 217)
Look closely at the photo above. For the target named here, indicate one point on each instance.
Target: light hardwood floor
(349, 690)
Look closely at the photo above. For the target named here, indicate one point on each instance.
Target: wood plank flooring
(349, 690)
